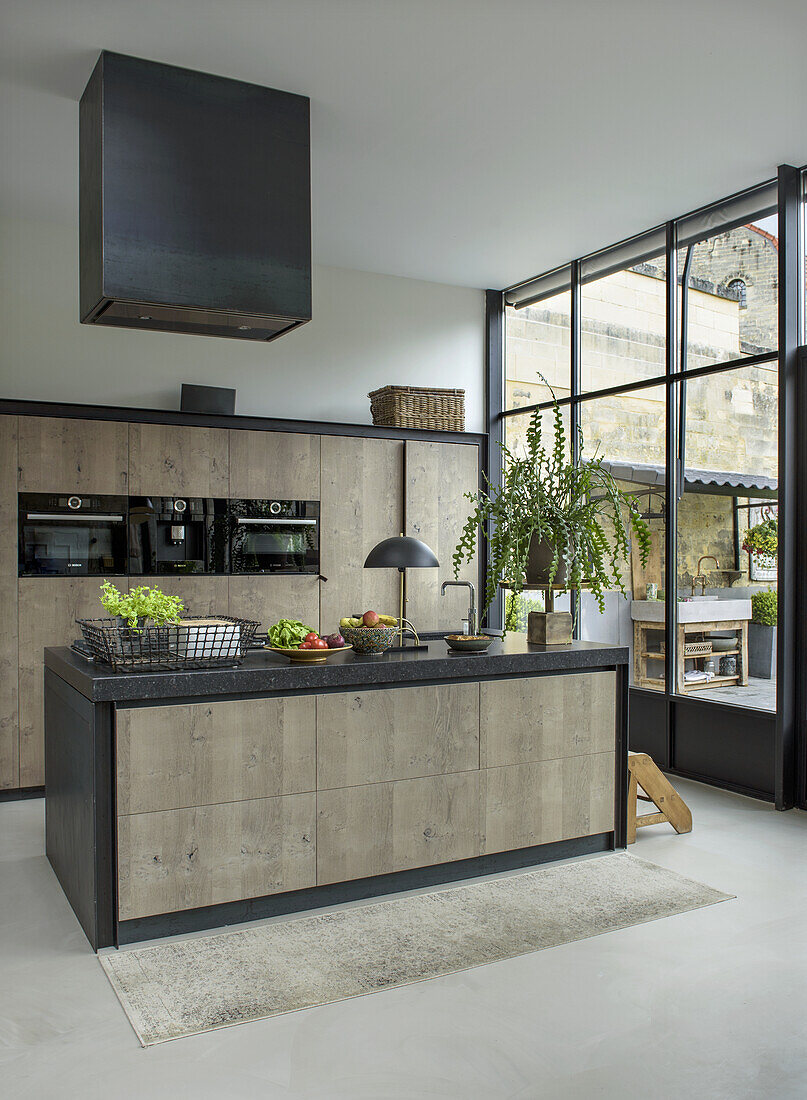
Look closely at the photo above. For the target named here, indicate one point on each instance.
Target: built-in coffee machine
(177, 535)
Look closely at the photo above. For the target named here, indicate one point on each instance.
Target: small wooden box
(549, 628)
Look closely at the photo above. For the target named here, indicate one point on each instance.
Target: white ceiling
(473, 142)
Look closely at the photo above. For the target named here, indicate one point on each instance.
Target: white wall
(368, 331)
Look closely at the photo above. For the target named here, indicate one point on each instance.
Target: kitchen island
(187, 800)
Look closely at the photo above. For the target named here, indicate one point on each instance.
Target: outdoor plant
(140, 604)
(764, 607)
(763, 538)
(577, 509)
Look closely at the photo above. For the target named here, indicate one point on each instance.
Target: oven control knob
(180, 505)
(74, 503)
(275, 507)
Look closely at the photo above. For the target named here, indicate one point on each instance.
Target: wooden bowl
(308, 656)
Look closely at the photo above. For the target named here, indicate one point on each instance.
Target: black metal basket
(197, 641)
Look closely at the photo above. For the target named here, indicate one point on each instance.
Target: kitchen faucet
(700, 576)
(472, 608)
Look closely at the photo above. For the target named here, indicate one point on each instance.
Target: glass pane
(731, 307)
(627, 432)
(515, 431)
(727, 537)
(537, 342)
(623, 320)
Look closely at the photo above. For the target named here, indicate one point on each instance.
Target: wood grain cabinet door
(48, 609)
(383, 827)
(198, 754)
(266, 599)
(200, 595)
(548, 800)
(172, 460)
(547, 717)
(274, 465)
(58, 455)
(362, 503)
(437, 477)
(206, 855)
(9, 710)
(401, 733)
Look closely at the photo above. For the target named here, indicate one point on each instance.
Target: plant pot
(539, 563)
(761, 651)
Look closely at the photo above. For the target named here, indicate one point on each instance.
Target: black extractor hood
(195, 202)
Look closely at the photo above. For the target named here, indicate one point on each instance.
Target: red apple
(370, 618)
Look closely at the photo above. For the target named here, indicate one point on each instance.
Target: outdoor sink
(706, 610)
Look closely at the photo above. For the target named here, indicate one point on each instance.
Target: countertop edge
(263, 675)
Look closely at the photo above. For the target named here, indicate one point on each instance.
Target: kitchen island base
(178, 802)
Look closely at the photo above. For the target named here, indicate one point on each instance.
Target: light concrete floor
(757, 693)
(709, 1004)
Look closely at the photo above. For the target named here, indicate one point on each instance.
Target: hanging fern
(547, 497)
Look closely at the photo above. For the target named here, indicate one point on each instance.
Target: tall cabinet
(437, 477)
(9, 705)
(369, 488)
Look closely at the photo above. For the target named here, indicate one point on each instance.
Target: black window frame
(785, 751)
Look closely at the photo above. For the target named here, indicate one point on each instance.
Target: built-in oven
(274, 536)
(71, 535)
(177, 535)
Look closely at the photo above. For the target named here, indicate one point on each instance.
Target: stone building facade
(731, 419)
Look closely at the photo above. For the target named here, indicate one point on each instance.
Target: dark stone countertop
(264, 673)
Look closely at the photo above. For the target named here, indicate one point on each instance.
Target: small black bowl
(464, 643)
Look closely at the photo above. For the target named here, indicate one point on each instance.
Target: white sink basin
(697, 611)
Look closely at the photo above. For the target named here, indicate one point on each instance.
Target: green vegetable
(288, 634)
(141, 603)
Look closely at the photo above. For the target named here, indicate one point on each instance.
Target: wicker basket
(410, 407)
(195, 642)
(697, 649)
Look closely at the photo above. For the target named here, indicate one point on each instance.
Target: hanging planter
(761, 543)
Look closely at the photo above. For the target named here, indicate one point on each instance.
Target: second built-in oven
(274, 536)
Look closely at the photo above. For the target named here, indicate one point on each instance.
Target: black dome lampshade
(402, 552)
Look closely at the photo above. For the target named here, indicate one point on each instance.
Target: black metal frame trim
(791, 714)
(129, 415)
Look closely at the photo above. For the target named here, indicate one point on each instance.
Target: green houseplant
(553, 521)
(141, 605)
(762, 634)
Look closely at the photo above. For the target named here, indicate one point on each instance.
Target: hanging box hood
(195, 202)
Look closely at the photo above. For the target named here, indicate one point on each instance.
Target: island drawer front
(402, 733)
(549, 800)
(383, 827)
(205, 855)
(547, 717)
(198, 754)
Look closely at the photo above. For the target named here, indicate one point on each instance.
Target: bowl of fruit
(301, 644)
(372, 633)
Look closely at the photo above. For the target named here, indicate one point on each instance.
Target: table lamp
(402, 552)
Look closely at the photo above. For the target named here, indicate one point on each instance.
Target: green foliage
(288, 633)
(764, 607)
(141, 603)
(762, 539)
(568, 506)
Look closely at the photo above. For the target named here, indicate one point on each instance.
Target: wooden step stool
(645, 774)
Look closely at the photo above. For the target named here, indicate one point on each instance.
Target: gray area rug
(181, 988)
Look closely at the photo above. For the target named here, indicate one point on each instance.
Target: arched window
(738, 287)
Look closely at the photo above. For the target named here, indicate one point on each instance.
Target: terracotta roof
(764, 233)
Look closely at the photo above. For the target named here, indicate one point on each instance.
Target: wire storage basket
(416, 407)
(194, 642)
